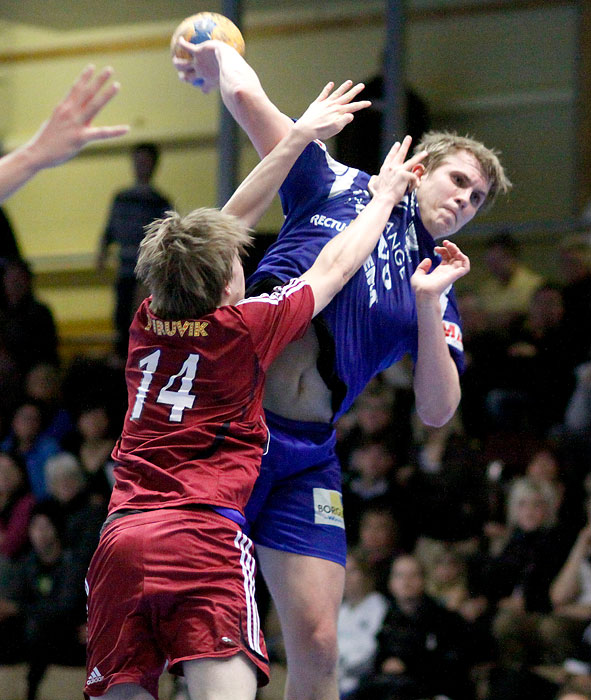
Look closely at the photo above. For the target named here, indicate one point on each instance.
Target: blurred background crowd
(469, 571)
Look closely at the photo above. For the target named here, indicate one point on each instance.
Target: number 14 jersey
(194, 432)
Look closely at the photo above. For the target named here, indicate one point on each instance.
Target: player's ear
(419, 169)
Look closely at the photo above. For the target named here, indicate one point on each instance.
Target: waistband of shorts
(298, 427)
(235, 516)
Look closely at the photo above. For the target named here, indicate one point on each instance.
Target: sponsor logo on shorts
(95, 677)
(328, 508)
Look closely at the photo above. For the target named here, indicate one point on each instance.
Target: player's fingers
(424, 266)
(99, 133)
(356, 106)
(80, 83)
(416, 159)
(403, 150)
(325, 92)
(342, 89)
(94, 105)
(352, 93)
(93, 89)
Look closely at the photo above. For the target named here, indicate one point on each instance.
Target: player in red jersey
(66, 132)
(172, 578)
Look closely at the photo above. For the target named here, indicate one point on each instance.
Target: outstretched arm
(215, 64)
(65, 133)
(436, 380)
(344, 254)
(325, 117)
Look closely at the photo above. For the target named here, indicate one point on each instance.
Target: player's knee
(322, 649)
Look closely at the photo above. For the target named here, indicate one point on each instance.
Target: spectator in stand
(379, 543)
(483, 346)
(46, 600)
(517, 580)
(43, 385)
(575, 263)
(132, 209)
(83, 517)
(26, 440)
(92, 444)
(538, 365)
(423, 648)
(371, 482)
(370, 417)
(28, 327)
(360, 618)
(507, 293)
(16, 504)
(570, 594)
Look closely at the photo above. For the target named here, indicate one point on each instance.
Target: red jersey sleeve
(274, 320)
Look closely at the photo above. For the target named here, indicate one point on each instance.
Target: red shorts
(168, 586)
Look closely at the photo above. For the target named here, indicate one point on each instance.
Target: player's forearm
(254, 196)
(245, 99)
(344, 254)
(436, 380)
(16, 169)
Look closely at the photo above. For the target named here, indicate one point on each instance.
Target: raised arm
(325, 117)
(344, 254)
(215, 64)
(66, 132)
(436, 380)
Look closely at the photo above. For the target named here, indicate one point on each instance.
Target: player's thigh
(307, 591)
(234, 678)
(127, 691)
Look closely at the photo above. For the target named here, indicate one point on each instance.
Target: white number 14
(179, 399)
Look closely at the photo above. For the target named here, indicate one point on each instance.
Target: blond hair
(524, 487)
(440, 144)
(186, 261)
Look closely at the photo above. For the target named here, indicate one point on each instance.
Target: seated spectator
(371, 482)
(483, 346)
(570, 594)
(16, 504)
(446, 492)
(537, 367)
(26, 440)
(379, 543)
(43, 385)
(92, 444)
(423, 648)
(21, 314)
(360, 617)
(47, 598)
(369, 418)
(575, 267)
(508, 291)
(518, 579)
(83, 518)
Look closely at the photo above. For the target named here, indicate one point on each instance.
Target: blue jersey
(372, 322)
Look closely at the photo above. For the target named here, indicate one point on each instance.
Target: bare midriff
(294, 388)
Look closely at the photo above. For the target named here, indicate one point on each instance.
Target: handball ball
(204, 26)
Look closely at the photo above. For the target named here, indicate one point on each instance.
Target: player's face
(450, 195)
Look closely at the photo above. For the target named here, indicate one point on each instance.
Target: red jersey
(194, 431)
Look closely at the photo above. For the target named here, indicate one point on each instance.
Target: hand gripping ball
(204, 26)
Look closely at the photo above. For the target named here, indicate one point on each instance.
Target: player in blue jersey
(399, 302)
(68, 129)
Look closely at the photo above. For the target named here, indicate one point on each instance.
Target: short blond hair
(186, 261)
(440, 144)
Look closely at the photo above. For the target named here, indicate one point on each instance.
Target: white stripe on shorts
(247, 562)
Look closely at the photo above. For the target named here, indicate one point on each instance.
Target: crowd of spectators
(469, 567)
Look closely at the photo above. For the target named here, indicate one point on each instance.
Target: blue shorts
(296, 505)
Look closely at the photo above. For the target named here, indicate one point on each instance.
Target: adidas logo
(94, 677)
